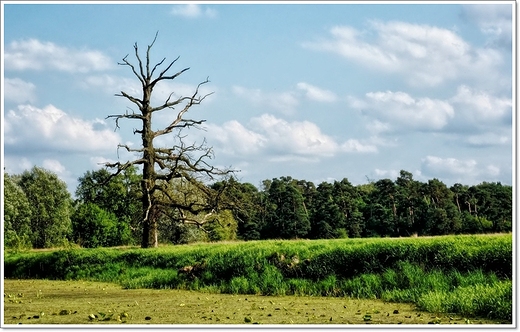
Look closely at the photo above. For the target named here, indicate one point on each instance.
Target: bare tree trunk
(174, 162)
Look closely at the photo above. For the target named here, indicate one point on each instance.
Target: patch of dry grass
(84, 302)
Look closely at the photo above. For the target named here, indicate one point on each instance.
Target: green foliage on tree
(442, 217)
(17, 216)
(244, 201)
(94, 227)
(50, 204)
(38, 211)
(222, 227)
(327, 221)
(287, 217)
(118, 195)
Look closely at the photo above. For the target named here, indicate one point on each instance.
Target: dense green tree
(495, 204)
(382, 209)
(17, 216)
(222, 227)
(118, 194)
(245, 202)
(409, 204)
(94, 227)
(308, 191)
(327, 219)
(442, 214)
(51, 207)
(287, 216)
(350, 203)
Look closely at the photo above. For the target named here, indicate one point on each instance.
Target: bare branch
(157, 65)
(126, 63)
(134, 100)
(128, 148)
(124, 116)
(167, 103)
(172, 77)
(179, 122)
(148, 57)
(140, 64)
(120, 168)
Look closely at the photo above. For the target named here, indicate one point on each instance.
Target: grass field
(95, 303)
(468, 275)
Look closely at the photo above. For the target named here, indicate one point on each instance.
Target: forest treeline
(39, 212)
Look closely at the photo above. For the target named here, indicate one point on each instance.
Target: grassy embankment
(466, 275)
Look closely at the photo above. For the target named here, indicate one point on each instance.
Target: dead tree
(161, 165)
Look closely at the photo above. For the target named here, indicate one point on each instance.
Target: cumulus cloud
(354, 145)
(394, 111)
(193, 11)
(163, 90)
(425, 55)
(314, 93)
(462, 171)
(112, 84)
(275, 139)
(19, 91)
(54, 166)
(436, 165)
(387, 173)
(29, 128)
(234, 138)
(284, 102)
(488, 139)
(33, 54)
(479, 107)
(302, 138)
(16, 164)
(494, 21)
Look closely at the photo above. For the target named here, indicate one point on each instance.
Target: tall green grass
(426, 271)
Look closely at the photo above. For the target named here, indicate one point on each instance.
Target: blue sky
(319, 92)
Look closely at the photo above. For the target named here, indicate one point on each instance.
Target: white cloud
(50, 129)
(17, 164)
(471, 116)
(284, 102)
(163, 90)
(377, 127)
(391, 111)
(480, 107)
(463, 171)
(487, 139)
(314, 93)
(234, 138)
(98, 161)
(33, 54)
(274, 139)
(193, 11)
(425, 55)
(436, 165)
(302, 138)
(387, 174)
(112, 84)
(354, 145)
(494, 21)
(54, 166)
(19, 91)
